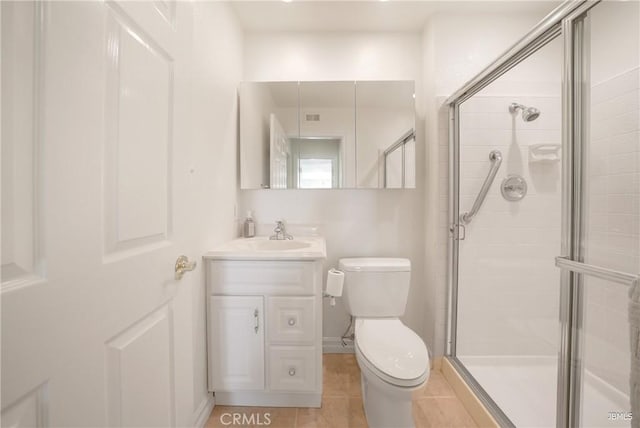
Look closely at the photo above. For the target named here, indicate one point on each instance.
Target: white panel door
(236, 346)
(96, 331)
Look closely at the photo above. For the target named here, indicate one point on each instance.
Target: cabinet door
(236, 343)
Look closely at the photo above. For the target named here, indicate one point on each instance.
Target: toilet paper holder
(334, 285)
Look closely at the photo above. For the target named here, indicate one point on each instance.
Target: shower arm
(496, 159)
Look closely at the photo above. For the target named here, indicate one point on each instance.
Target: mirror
(263, 106)
(385, 119)
(324, 135)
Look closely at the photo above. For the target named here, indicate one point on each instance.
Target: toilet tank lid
(375, 264)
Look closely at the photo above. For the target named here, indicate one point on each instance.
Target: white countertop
(261, 248)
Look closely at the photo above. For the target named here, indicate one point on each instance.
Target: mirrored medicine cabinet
(326, 135)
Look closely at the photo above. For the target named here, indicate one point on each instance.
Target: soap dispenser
(249, 226)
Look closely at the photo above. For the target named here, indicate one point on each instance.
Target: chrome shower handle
(496, 159)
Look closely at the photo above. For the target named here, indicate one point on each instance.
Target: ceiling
(366, 15)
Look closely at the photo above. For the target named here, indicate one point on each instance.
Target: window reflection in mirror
(315, 163)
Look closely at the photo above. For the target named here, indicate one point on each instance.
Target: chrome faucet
(280, 232)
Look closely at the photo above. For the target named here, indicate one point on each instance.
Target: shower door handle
(496, 159)
(598, 272)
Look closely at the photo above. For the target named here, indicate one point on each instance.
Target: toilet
(393, 359)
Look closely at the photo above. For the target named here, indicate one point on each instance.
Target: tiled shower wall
(508, 283)
(613, 222)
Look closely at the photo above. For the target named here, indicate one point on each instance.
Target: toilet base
(385, 405)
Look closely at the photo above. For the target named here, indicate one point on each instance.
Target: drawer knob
(292, 371)
(292, 321)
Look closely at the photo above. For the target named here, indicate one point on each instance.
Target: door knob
(183, 265)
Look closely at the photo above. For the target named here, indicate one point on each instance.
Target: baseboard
(474, 406)
(203, 411)
(436, 363)
(333, 345)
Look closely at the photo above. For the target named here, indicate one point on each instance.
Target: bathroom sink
(261, 247)
(280, 245)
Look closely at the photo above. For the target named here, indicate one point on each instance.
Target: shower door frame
(567, 21)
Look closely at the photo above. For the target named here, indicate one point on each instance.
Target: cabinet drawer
(292, 368)
(262, 277)
(291, 320)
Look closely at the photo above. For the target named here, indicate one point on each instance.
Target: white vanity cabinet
(265, 331)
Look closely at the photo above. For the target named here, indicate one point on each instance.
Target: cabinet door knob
(292, 371)
(292, 321)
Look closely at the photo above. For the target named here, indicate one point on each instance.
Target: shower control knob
(513, 188)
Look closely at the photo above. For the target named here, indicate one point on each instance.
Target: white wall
(216, 71)
(355, 222)
(465, 44)
(331, 56)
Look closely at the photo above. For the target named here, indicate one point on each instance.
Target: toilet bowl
(394, 363)
(393, 359)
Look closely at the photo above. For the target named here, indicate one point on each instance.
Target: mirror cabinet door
(266, 108)
(385, 142)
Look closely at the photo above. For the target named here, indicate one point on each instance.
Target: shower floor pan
(525, 390)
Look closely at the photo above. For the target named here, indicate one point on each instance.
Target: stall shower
(543, 321)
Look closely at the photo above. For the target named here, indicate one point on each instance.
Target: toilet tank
(375, 287)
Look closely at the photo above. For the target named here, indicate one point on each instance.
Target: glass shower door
(510, 204)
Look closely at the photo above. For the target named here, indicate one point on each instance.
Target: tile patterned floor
(436, 405)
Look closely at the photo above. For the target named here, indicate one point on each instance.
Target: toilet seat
(391, 350)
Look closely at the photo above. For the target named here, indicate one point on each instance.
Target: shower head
(529, 114)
